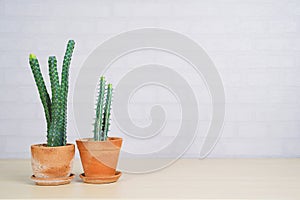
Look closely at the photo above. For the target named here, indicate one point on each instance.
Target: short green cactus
(56, 108)
(102, 120)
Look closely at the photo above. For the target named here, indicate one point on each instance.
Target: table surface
(186, 178)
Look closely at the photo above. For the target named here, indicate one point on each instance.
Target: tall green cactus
(54, 134)
(65, 87)
(55, 108)
(102, 121)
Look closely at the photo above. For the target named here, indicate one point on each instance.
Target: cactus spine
(55, 108)
(102, 121)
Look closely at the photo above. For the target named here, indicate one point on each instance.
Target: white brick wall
(255, 45)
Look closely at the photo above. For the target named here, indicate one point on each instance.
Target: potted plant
(52, 162)
(99, 155)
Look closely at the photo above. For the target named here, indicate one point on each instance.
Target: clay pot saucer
(52, 181)
(101, 180)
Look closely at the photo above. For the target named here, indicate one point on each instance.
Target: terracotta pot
(52, 162)
(99, 158)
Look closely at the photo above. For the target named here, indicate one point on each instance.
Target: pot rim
(44, 146)
(92, 140)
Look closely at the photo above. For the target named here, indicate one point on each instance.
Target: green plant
(103, 106)
(55, 108)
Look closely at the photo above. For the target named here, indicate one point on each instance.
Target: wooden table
(187, 178)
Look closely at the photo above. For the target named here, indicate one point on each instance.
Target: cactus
(106, 114)
(65, 87)
(54, 138)
(44, 96)
(55, 108)
(102, 121)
